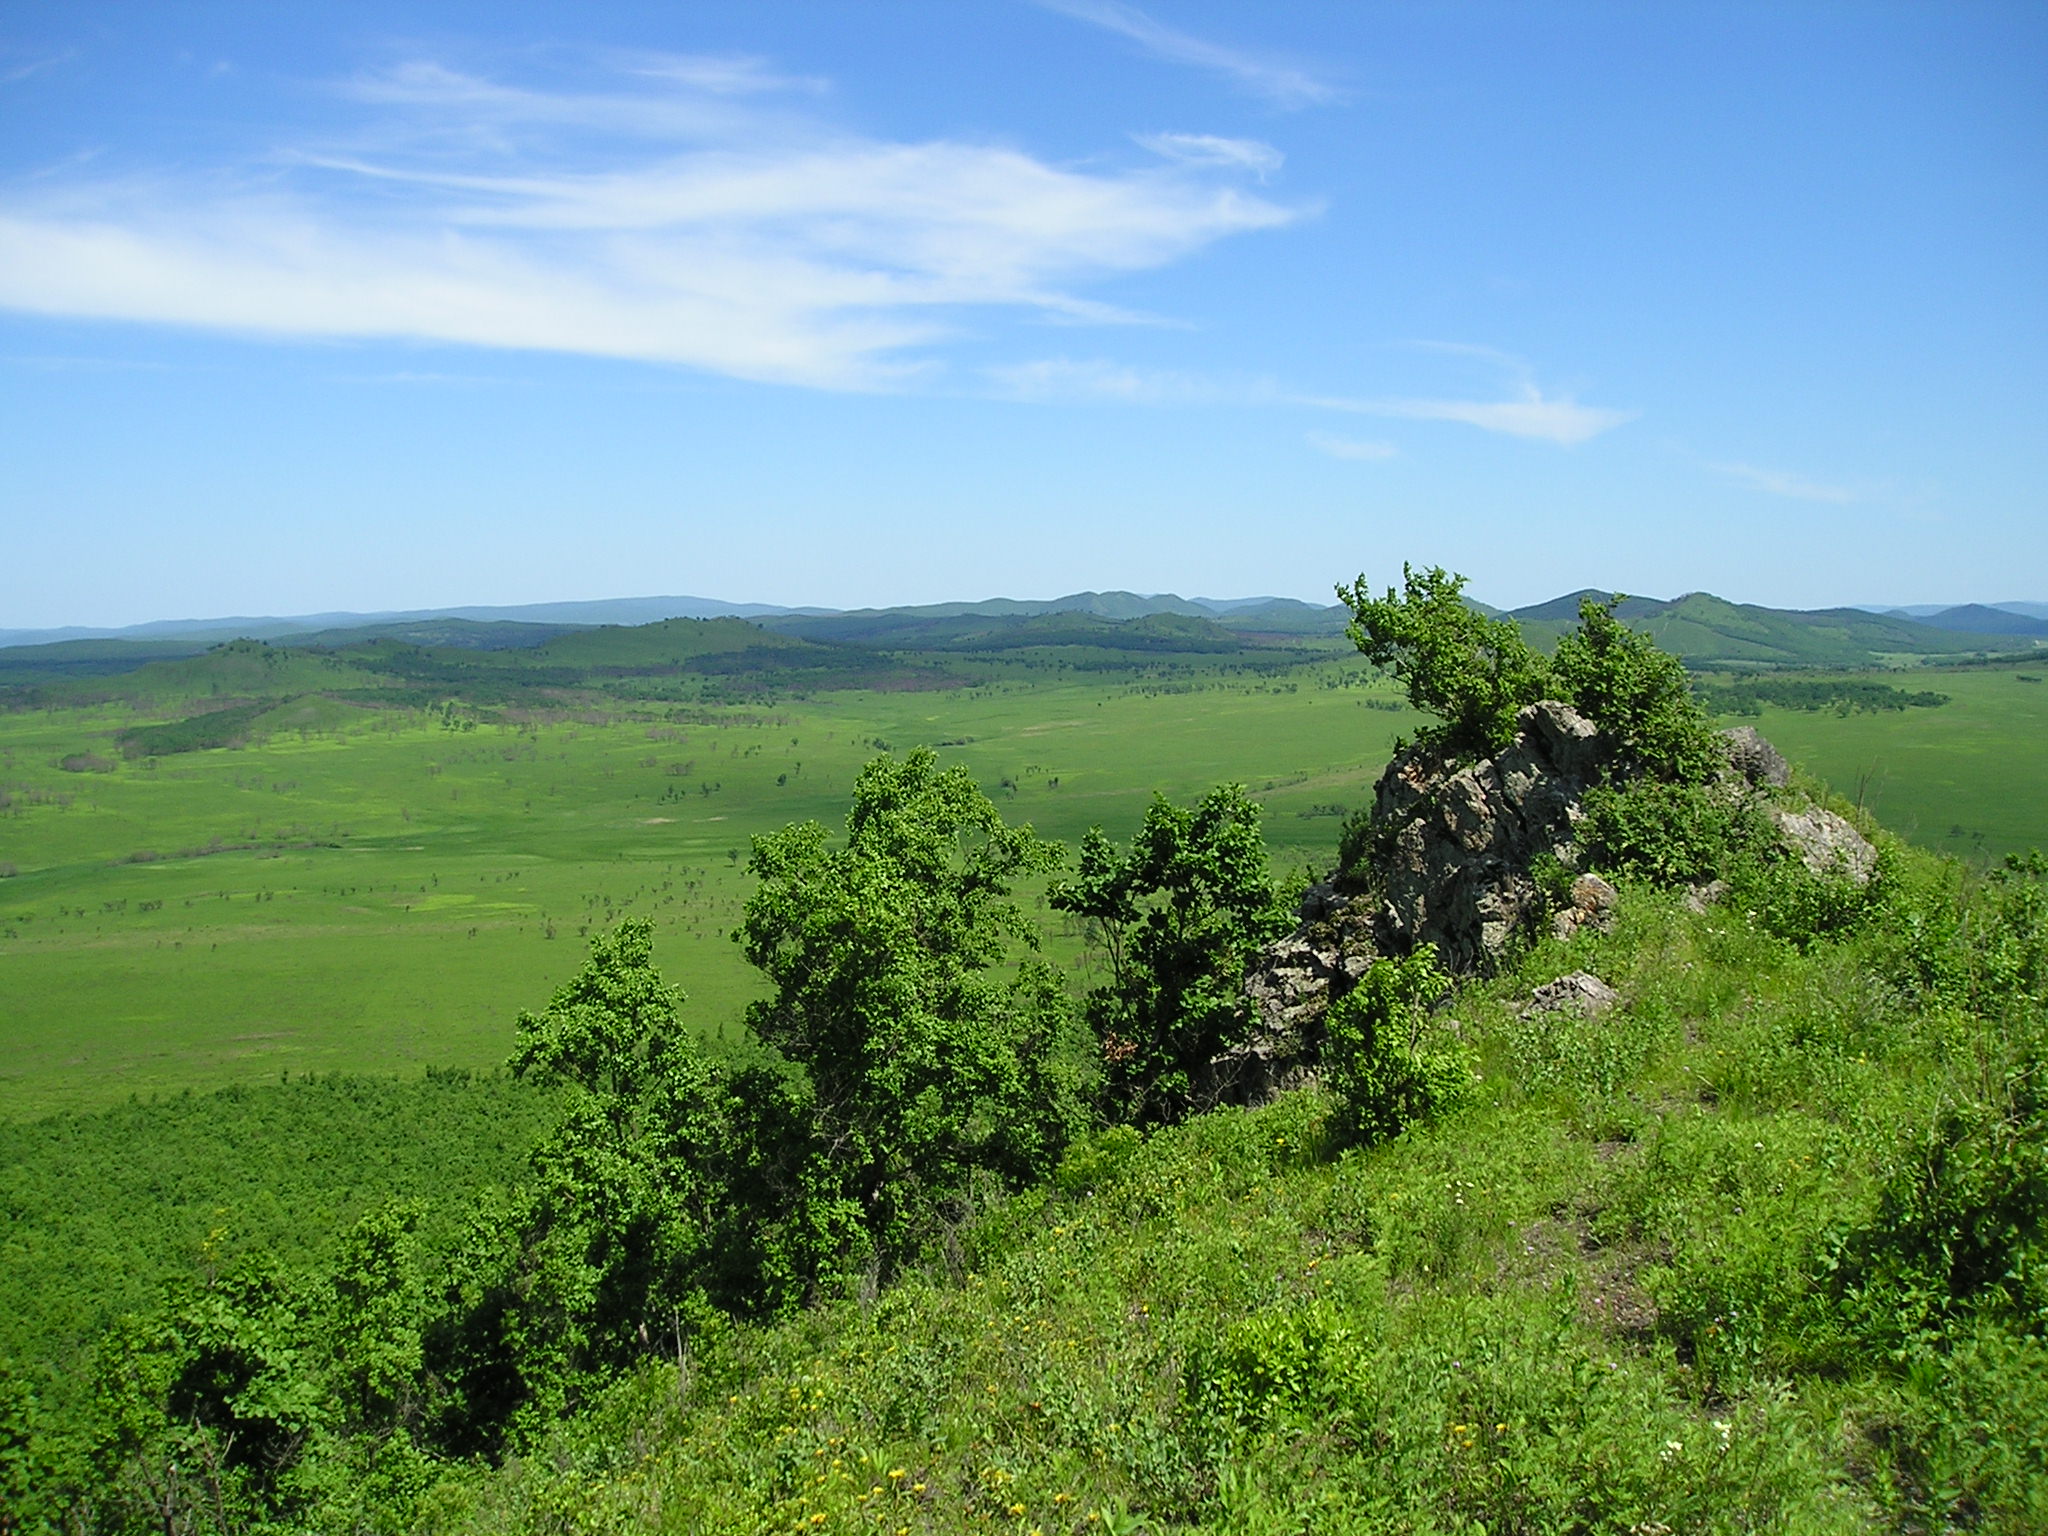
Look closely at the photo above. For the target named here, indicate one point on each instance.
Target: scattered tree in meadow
(607, 1255)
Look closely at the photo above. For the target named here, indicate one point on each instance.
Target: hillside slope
(1670, 1273)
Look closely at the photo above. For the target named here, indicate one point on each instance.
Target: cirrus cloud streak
(757, 244)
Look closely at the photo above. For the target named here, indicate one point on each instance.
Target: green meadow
(373, 885)
(386, 889)
(1968, 778)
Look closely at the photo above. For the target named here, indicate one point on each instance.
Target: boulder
(1581, 992)
(1825, 843)
(1759, 763)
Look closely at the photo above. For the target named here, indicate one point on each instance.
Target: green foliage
(103, 1211)
(1177, 915)
(1841, 696)
(229, 727)
(613, 1242)
(927, 1061)
(1094, 1160)
(1472, 672)
(1670, 833)
(1385, 1074)
(1619, 679)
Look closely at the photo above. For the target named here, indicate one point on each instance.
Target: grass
(362, 889)
(1968, 778)
(377, 889)
(1604, 1298)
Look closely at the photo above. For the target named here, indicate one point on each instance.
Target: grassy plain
(380, 892)
(1969, 778)
(379, 889)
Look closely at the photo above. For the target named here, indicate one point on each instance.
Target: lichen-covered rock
(1581, 992)
(1825, 843)
(1456, 873)
(1289, 986)
(1760, 763)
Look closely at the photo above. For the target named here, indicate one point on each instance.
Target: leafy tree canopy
(1617, 677)
(1178, 914)
(1470, 671)
(927, 1060)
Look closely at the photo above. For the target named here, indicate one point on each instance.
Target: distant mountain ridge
(1985, 619)
(650, 610)
(1705, 631)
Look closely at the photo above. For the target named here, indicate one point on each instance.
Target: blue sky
(405, 305)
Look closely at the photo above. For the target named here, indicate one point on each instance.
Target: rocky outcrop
(1456, 872)
(1590, 903)
(1580, 992)
(1825, 843)
(1289, 987)
(1454, 861)
(1755, 760)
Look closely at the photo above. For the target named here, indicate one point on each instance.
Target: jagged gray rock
(1453, 868)
(1289, 987)
(1825, 843)
(1580, 992)
(1759, 763)
(1456, 874)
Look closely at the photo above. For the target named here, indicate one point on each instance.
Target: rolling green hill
(1708, 633)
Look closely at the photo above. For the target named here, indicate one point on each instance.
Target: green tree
(1178, 914)
(927, 1058)
(1472, 672)
(1618, 678)
(609, 1254)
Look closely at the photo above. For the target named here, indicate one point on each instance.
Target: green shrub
(1384, 1076)
(1798, 904)
(1093, 1161)
(1619, 679)
(1472, 672)
(1669, 833)
(1178, 914)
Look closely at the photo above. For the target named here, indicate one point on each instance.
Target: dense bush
(1384, 1073)
(1671, 833)
(1177, 915)
(1638, 694)
(1470, 671)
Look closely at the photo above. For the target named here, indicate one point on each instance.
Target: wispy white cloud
(1066, 380)
(1528, 411)
(1208, 149)
(1351, 448)
(756, 243)
(1285, 85)
(14, 74)
(1776, 482)
(722, 74)
(1551, 419)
